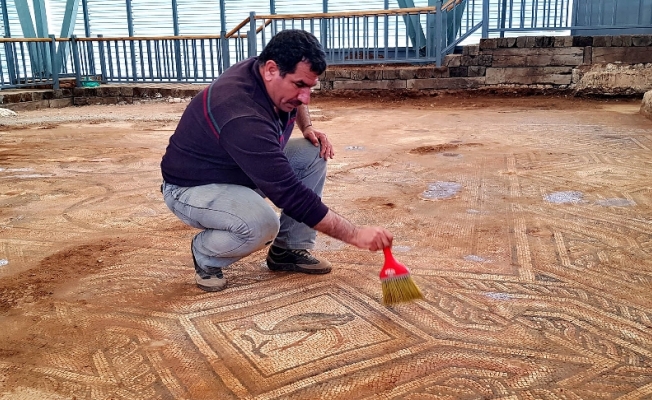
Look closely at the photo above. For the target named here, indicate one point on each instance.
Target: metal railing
(408, 35)
(412, 35)
(28, 62)
(502, 17)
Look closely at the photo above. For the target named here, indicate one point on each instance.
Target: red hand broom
(398, 286)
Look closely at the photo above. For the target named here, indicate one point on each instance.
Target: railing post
(55, 65)
(226, 58)
(251, 35)
(177, 55)
(75, 60)
(439, 25)
(324, 26)
(485, 19)
(102, 58)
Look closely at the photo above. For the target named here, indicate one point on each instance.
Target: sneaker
(279, 259)
(211, 281)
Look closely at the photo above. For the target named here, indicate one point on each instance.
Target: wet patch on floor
(567, 197)
(441, 190)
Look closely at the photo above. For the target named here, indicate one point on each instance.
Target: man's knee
(262, 227)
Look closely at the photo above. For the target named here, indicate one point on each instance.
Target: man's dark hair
(289, 47)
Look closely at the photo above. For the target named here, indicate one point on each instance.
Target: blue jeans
(237, 221)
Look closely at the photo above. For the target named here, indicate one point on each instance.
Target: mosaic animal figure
(311, 323)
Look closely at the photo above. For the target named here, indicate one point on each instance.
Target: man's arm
(367, 237)
(303, 117)
(318, 138)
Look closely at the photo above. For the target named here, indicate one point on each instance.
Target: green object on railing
(89, 82)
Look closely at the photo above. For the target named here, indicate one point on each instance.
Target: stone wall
(598, 65)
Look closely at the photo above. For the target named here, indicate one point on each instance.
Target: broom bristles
(399, 290)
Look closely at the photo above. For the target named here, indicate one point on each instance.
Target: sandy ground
(526, 222)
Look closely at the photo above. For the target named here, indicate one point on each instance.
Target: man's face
(292, 90)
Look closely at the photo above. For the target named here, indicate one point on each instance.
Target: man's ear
(270, 70)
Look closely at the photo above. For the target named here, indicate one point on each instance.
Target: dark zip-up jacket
(230, 133)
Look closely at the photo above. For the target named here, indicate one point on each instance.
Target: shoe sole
(197, 281)
(211, 288)
(296, 268)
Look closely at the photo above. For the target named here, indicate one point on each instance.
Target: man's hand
(372, 238)
(319, 138)
(365, 237)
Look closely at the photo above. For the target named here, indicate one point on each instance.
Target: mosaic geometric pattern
(537, 273)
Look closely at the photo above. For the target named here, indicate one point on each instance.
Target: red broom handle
(392, 268)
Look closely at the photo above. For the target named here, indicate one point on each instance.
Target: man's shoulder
(238, 94)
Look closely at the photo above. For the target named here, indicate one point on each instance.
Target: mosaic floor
(526, 223)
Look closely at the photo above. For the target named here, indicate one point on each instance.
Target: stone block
(391, 73)
(588, 55)
(625, 55)
(37, 96)
(11, 98)
(127, 91)
(452, 60)
(337, 73)
(84, 92)
(530, 41)
(471, 50)
(369, 85)
(602, 41)
(529, 76)
(544, 41)
(371, 74)
(467, 60)
(326, 85)
(621, 41)
(521, 42)
(28, 105)
(582, 41)
(642, 40)
(501, 43)
(488, 44)
(143, 92)
(459, 72)
(423, 72)
(105, 100)
(415, 73)
(165, 92)
(445, 83)
(108, 91)
(563, 41)
(82, 101)
(567, 56)
(476, 70)
(60, 103)
(440, 72)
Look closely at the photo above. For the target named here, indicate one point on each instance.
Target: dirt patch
(57, 270)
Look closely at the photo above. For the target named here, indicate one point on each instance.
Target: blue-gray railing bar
(251, 34)
(438, 37)
(200, 59)
(27, 62)
(360, 37)
(77, 63)
(55, 62)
